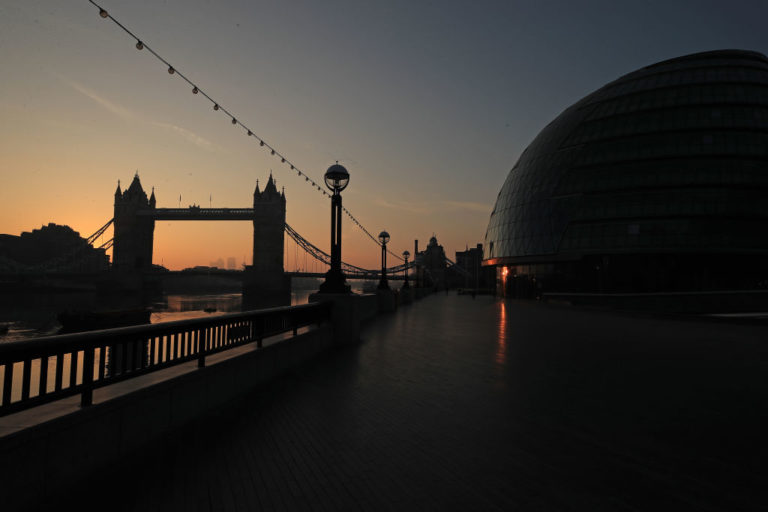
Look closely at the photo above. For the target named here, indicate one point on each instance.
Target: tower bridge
(134, 225)
(134, 220)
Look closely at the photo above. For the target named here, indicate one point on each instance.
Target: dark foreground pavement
(460, 404)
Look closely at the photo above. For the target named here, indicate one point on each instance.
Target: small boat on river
(78, 321)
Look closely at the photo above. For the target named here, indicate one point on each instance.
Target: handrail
(113, 355)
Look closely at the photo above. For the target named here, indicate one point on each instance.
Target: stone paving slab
(455, 403)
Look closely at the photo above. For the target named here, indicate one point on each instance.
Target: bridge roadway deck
(461, 404)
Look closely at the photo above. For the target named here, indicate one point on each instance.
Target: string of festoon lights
(141, 45)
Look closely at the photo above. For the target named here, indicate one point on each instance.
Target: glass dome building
(657, 181)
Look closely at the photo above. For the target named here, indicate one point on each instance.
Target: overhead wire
(196, 89)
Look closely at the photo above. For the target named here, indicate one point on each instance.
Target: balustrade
(41, 370)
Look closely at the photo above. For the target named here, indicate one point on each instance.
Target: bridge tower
(266, 278)
(134, 233)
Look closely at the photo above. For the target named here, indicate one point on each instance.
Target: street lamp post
(405, 255)
(336, 179)
(383, 238)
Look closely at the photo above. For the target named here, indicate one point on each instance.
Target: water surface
(34, 315)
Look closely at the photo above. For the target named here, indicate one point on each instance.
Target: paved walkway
(461, 404)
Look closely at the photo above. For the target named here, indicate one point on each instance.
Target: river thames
(34, 315)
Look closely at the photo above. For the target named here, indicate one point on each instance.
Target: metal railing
(42, 370)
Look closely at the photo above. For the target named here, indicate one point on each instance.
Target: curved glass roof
(672, 157)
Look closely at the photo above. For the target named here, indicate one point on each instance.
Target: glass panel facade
(670, 158)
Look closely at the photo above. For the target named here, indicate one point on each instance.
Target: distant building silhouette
(431, 265)
(52, 248)
(475, 275)
(655, 182)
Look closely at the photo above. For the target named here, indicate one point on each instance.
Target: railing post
(86, 397)
(43, 387)
(203, 347)
(7, 383)
(26, 375)
(59, 376)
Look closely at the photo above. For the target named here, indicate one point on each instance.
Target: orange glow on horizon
(183, 244)
(73, 127)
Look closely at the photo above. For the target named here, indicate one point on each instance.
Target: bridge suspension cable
(99, 231)
(74, 254)
(141, 45)
(307, 246)
(107, 245)
(323, 257)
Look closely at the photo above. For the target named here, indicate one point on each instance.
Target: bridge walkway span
(461, 404)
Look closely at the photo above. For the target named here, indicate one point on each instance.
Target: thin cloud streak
(402, 206)
(435, 207)
(128, 115)
(116, 109)
(468, 205)
(192, 137)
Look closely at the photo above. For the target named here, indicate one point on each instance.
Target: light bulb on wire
(140, 46)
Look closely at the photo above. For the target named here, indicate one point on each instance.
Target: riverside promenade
(454, 403)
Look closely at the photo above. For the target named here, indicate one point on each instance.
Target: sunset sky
(427, 104)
